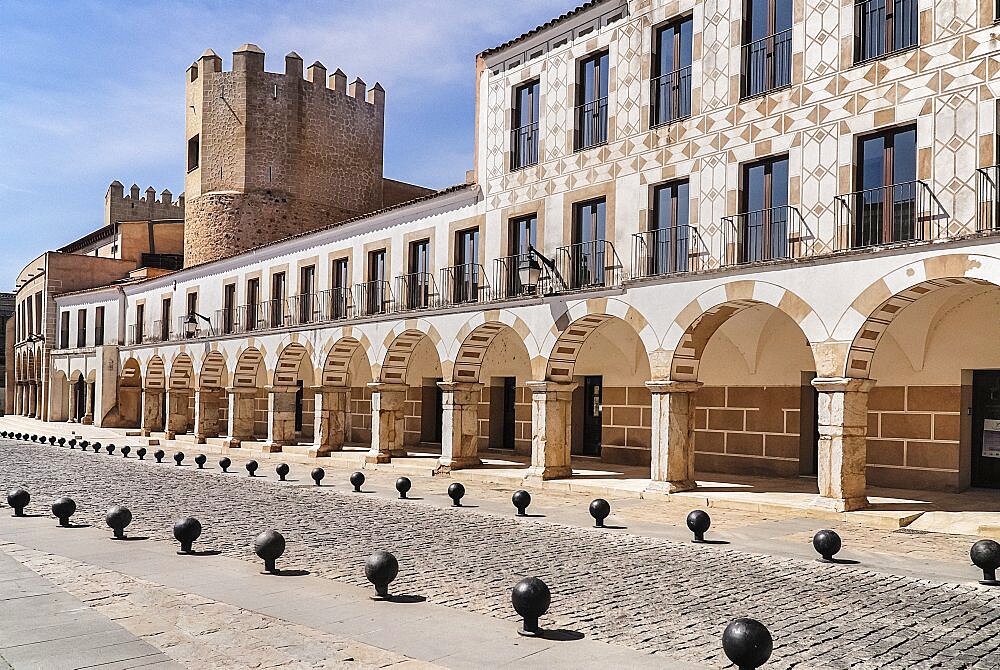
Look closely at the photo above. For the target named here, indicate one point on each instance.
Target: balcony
(160, 331)
(591, 124)
(765, 235)
(137, 334)
(302, 309)
(988, 214)
(766, 64)
(416, 290)
(670, 96)
(335, 304)
(463, 284)
(665, 251)
(895, 214)
(507, 279)
(884, 27)
(589, 265)
(372, 298)
(524, 146)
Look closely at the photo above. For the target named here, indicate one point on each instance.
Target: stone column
(32, 407)
(242, 401)
(88, 404)
(459, 425)
(280, 417)
(551, 414)
(387, 422)
(329, 419)
(152, 410)
(206, 414)
(843, 436)
(18, 398)
(72, 404)
(177, 412)
(672, 438)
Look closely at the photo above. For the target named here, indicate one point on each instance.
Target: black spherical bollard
(985, 554)
(531, 599)
(827, 543)
(62, 509)
(61, 441)
(178, 458)
(317, 475)
(72, 443)
(84, 444)
(269, 545)
(141, 453)
(110, 449)
(224, 463)
(380, 569)
(456, 491)
(201, 459)
(521, 500)
(252, 468)
(357, 479)
(34, 438)
(282, 471)
(126, 450)
(17, 436)
(698, 522)
(600, 509)
(403, 484)
(186, 531)
(747, 643)
(158, 454)
(52, 440)
(96, 446)
(18, 499)
(118, 518)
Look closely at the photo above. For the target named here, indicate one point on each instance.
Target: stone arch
(155, 374)
(214, 373)
(474, 346)
(879, 304)
(399, 350)
(131, 375)
(565, 350)
(247, 365)
(289, 362)
(181, 372)
(698, 322)
(336, 366)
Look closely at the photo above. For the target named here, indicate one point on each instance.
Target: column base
(309, 450)
(840, 504)
(449, 464)
(87, 420)
(540, 472)
(231, 443)
(378, 458)
(201, 439)
(271, 447)
(169, 435)
(671, 487)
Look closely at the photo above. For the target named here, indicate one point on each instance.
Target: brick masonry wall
(361, 415)
(914, 436)
(626, 433)
(747, 429)
(522, 419)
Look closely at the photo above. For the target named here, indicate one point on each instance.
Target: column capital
(842, 385)
(383, 387)
(146, 389)
(281, 389)
(671, 386)
(241, 390)
(329, 389)
(543, 387)
(459, 386)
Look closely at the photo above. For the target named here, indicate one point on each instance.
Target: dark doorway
(299, 397)
(80, 389)
(509, 395)
(431, 411)
(808, 427)
(986, 428)
(592, 419)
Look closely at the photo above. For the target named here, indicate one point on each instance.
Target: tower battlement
(134, 206)
(276, 154)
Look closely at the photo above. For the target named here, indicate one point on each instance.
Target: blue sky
(91, 92)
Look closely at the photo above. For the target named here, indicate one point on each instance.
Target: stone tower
(272, 155)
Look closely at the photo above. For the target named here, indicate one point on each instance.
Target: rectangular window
(762, 226)
(587, 253)
(194, 152)
(464, 277)
(139, 328)
(667, 242)
(671, 72)
(277, 304)
(165, 317)
(98, 326)
(341, 284)
(521, 240)
(228, 308)
(38, 312)
(375, 298)
(417, 282)
(883, 27)
(64, 330)
(192, 303)
(524, 126)
(592, 102)
(767, 46)
(307, 293)
(253, 308)
(81, 328)
(887, 201)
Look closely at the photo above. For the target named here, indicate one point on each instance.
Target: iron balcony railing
(160, 331)
(883, 27)
(524, 146)
(671, 97)
(464, 283)
(988, 214)
(592, 123)
(225, 320)
(507, 278)
(906, 212)
(372, 298)
(202, 328)
(765, 235)
(767, 64)
(336, 304)
(137, 333)
(589, 265)
(277, 313)
(416, 290)
(664, 251)
(303, 309)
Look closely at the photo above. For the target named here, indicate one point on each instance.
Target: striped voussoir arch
(399, 348)
(477, 335)
(131, 373)
(247, 366)
(181, 372)
(213, 371)
(286, 370)
(156, 378)
(336, 367)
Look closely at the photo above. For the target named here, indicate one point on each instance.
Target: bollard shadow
(26, 516)
(134, 538)
(610, 527)
(410, 498)
(838, 561)
(463, 505)
(361, 491)
(205, 552)
(75, 525)
(288, 573)
(560, 635)
(711, 542)
(529, 516)
(405, 599)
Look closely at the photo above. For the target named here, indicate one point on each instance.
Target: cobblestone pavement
(645, 593)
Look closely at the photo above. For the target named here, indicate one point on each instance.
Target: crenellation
(358, 89)
(338, 81)
(317, 74)
(248, 58)
(293, 65)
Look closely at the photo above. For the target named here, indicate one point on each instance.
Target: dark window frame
(99, 326)
(769, 56)
(671, 243)
(193, 153)
(524, 135)
(678, 80)
(863, 52)
(590, 127)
